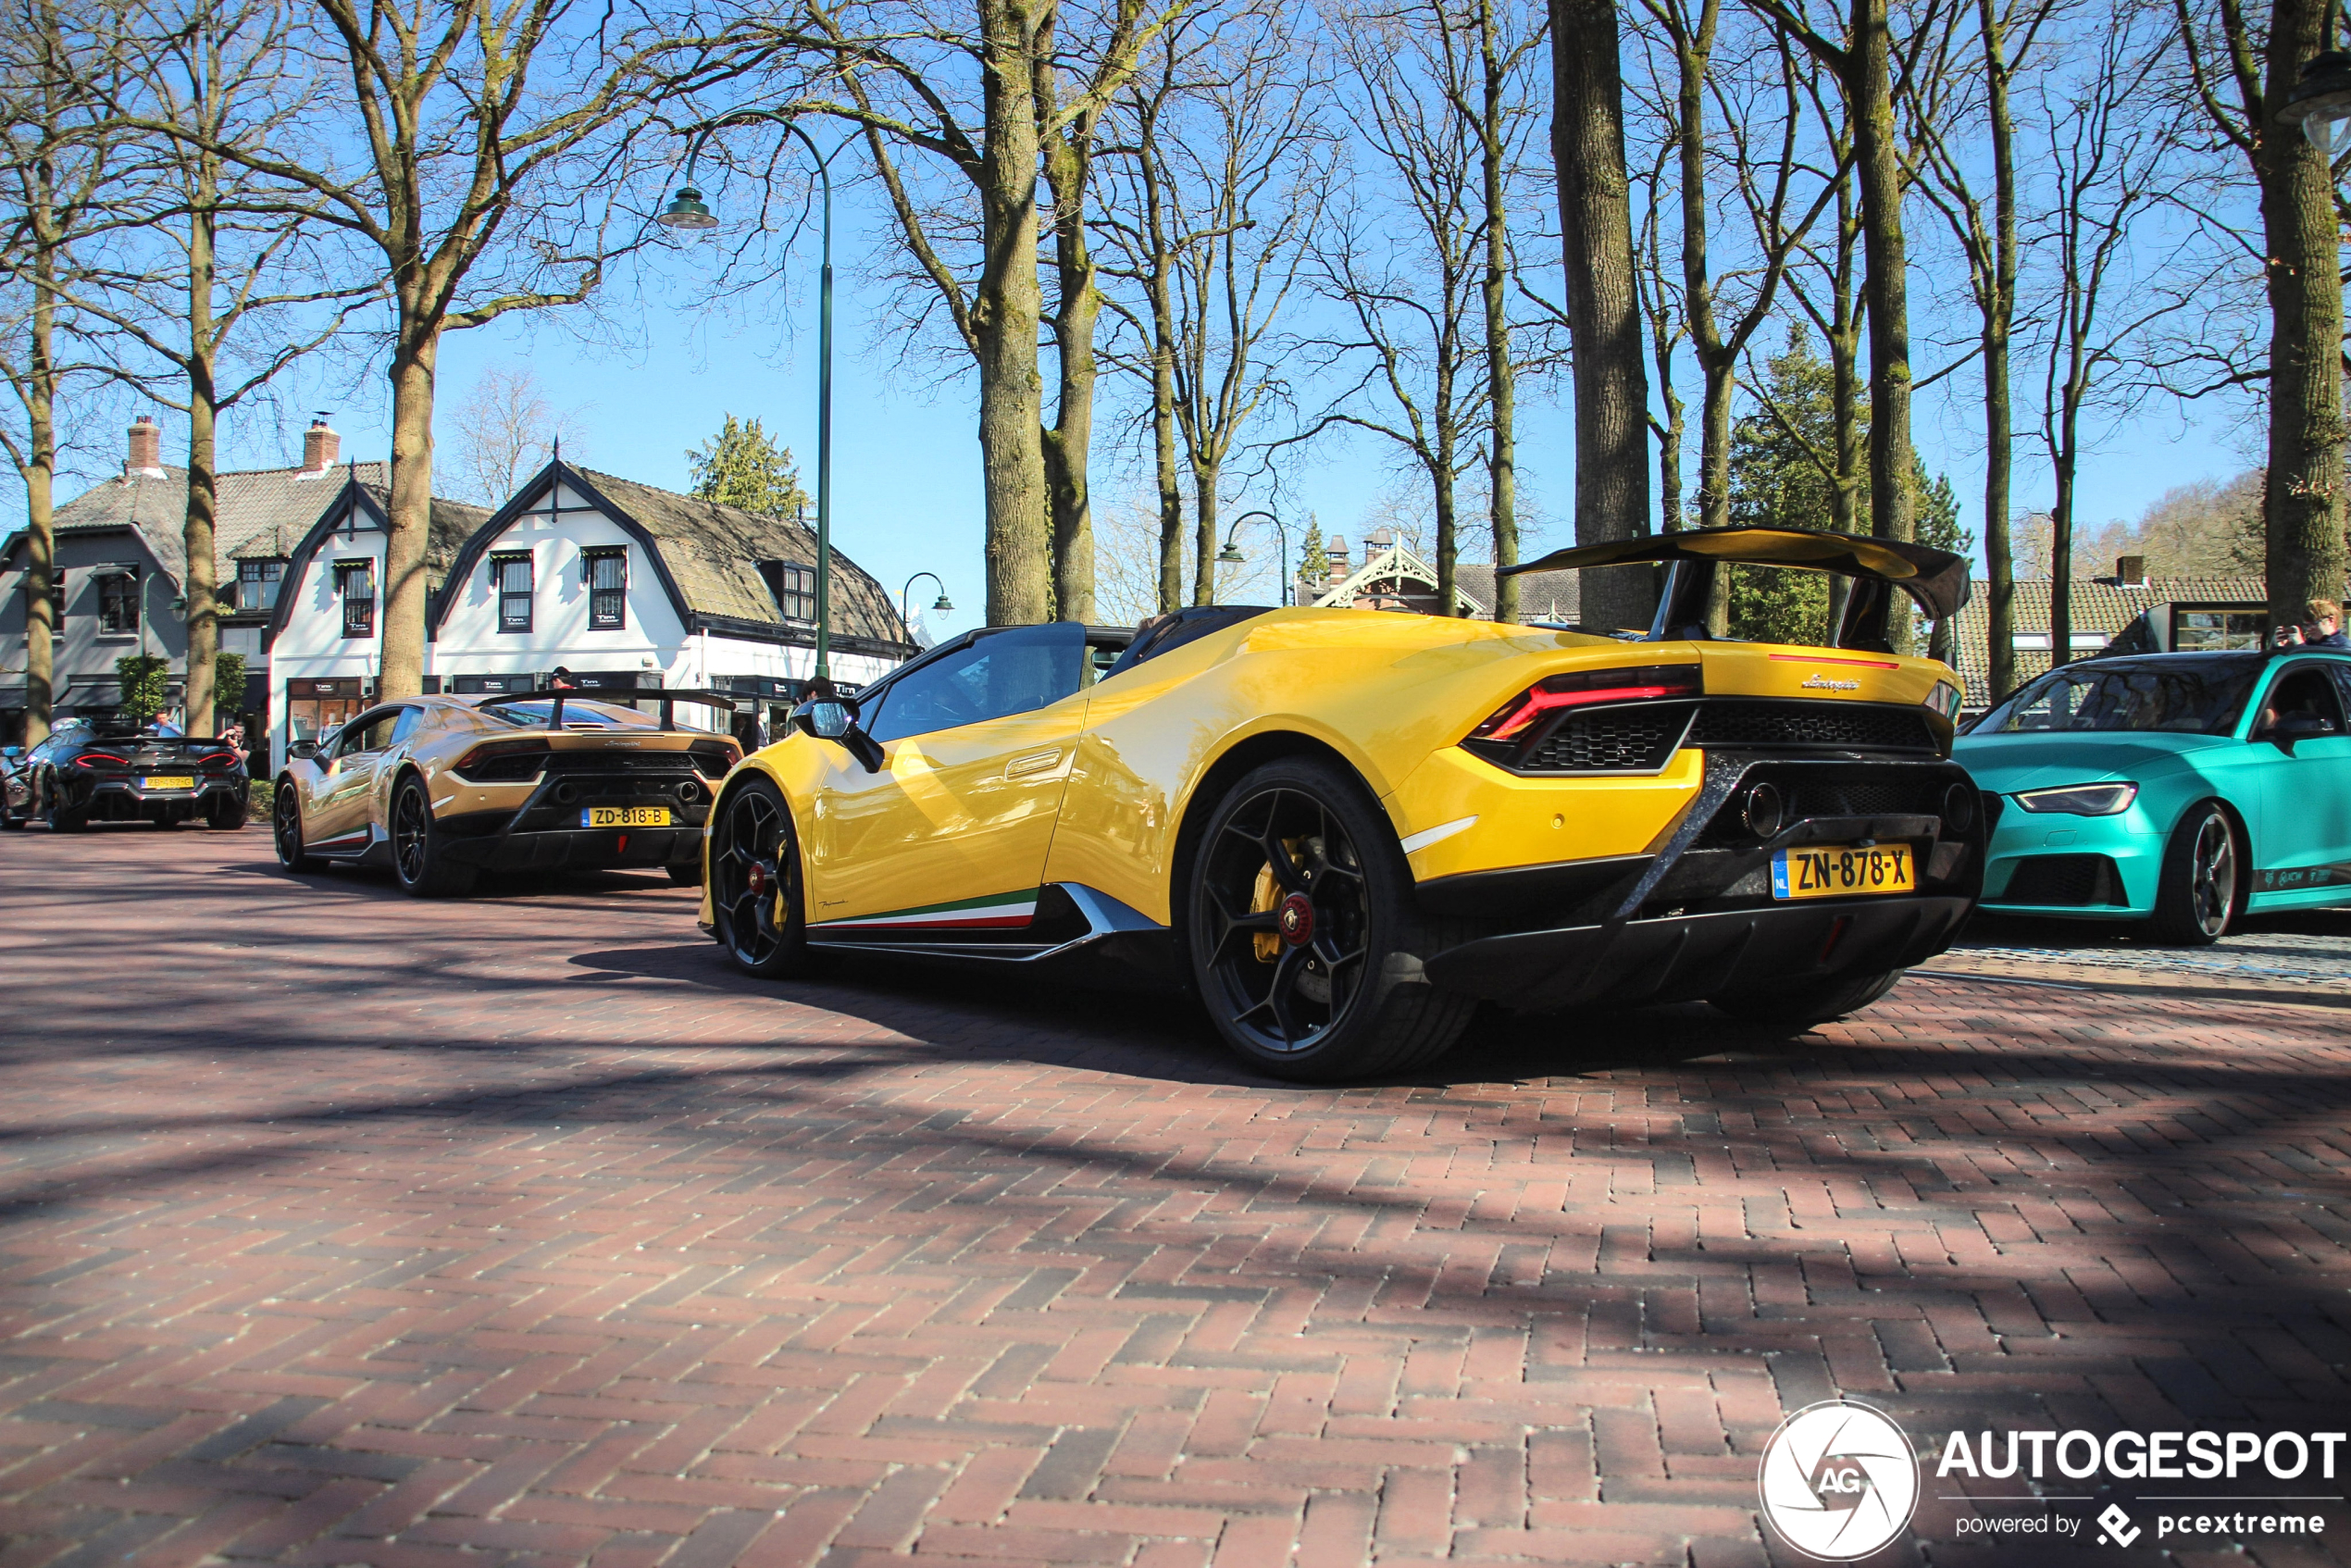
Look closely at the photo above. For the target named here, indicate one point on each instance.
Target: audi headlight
(1945, 699)
(2081, 800)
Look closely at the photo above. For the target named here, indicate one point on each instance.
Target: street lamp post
(687, 211)
(944, 603)
(1231, 553)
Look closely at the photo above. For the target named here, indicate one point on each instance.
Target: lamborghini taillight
(504, 762)
(1583, 689)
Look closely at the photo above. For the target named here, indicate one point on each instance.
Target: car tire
(2200, 891)
(1302, 934)
(420, 862)
(684, 873)
(226, 813)
(756, 898)
(285, 827)
(61, 819)
(1804, 1006)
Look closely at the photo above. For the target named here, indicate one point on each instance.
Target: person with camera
(2323, 629)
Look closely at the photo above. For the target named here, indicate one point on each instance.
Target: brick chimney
(2130, 569)
(320, 447)
(1336, 551)
(146, 454)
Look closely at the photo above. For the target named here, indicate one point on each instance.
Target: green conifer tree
(741, 466)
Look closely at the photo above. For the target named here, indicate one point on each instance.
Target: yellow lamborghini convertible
(1342, 829)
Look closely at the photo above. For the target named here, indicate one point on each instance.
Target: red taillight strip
(1817, 659)
(1539, 702)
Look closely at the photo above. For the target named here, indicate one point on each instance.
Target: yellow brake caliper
(1265, 896)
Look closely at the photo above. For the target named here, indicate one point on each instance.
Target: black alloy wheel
(2201, 890)
(60, 817)
(285, 827)
(421, 861)
(1300, 909)
(754, 883)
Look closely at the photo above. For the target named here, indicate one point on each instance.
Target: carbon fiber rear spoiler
(558, 695)
(1937, 579)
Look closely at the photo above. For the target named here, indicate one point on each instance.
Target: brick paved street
(341, 1228)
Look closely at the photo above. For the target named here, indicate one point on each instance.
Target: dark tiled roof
(262, 513)
(2103, 607)
(1542, 596)
(713, 552)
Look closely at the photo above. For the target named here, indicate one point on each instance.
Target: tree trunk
(1870, 85)
(1717, 361)
(1171, 495)
(1448, 521)
(1006, 311)
(1603, 308)
(40, 493)
(1204, 478)
(410, 511)
(196, 533)
(1068, 447)
(1501, 386)
(2061, 540)
(2000, 556)
(2300, 507)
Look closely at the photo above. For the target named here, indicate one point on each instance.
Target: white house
(626, 585)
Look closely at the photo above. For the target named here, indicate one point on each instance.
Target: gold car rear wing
(1937, 579)
(556, 696)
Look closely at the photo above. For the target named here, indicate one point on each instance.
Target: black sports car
(87, 773)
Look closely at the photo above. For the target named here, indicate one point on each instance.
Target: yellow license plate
(624, 816)
(1832, 871)
(166, 781)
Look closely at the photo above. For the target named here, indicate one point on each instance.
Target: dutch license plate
(624, 816)
(1828, 871)
(166, 781)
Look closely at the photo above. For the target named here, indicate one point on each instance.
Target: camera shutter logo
(1838, 1481)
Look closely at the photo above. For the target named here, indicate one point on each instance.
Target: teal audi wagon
(2182, 789)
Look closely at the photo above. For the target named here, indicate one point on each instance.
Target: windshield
(2199, 697)
(578, 714)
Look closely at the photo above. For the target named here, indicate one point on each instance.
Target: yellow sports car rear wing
(1937, 579)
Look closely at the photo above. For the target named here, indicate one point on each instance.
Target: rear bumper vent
(1635, 737)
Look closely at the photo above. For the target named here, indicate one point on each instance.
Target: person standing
(2322, 628)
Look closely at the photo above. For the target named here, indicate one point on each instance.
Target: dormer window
(356, 586)
(258, 584)
(794, 588)
(607, 572)
(510, 578)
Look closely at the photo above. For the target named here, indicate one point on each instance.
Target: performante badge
(1838, 1481)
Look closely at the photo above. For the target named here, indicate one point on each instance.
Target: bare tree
(1603, 302)
(1227, 167)
(1403, 263)
(2110, 279)
(233, 287)
(505, 431)
(995, 99)
(493, 167)
(62, 161)
(2240, 68)
(1657, 281)
(1985, 230)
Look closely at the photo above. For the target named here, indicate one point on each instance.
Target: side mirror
(11, 753)
(2294, 727)
(302, 750)
(828, 719)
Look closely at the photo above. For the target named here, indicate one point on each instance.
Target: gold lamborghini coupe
(441, 789)
(1343, 829)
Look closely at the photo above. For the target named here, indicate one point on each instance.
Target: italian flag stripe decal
(964, 914)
